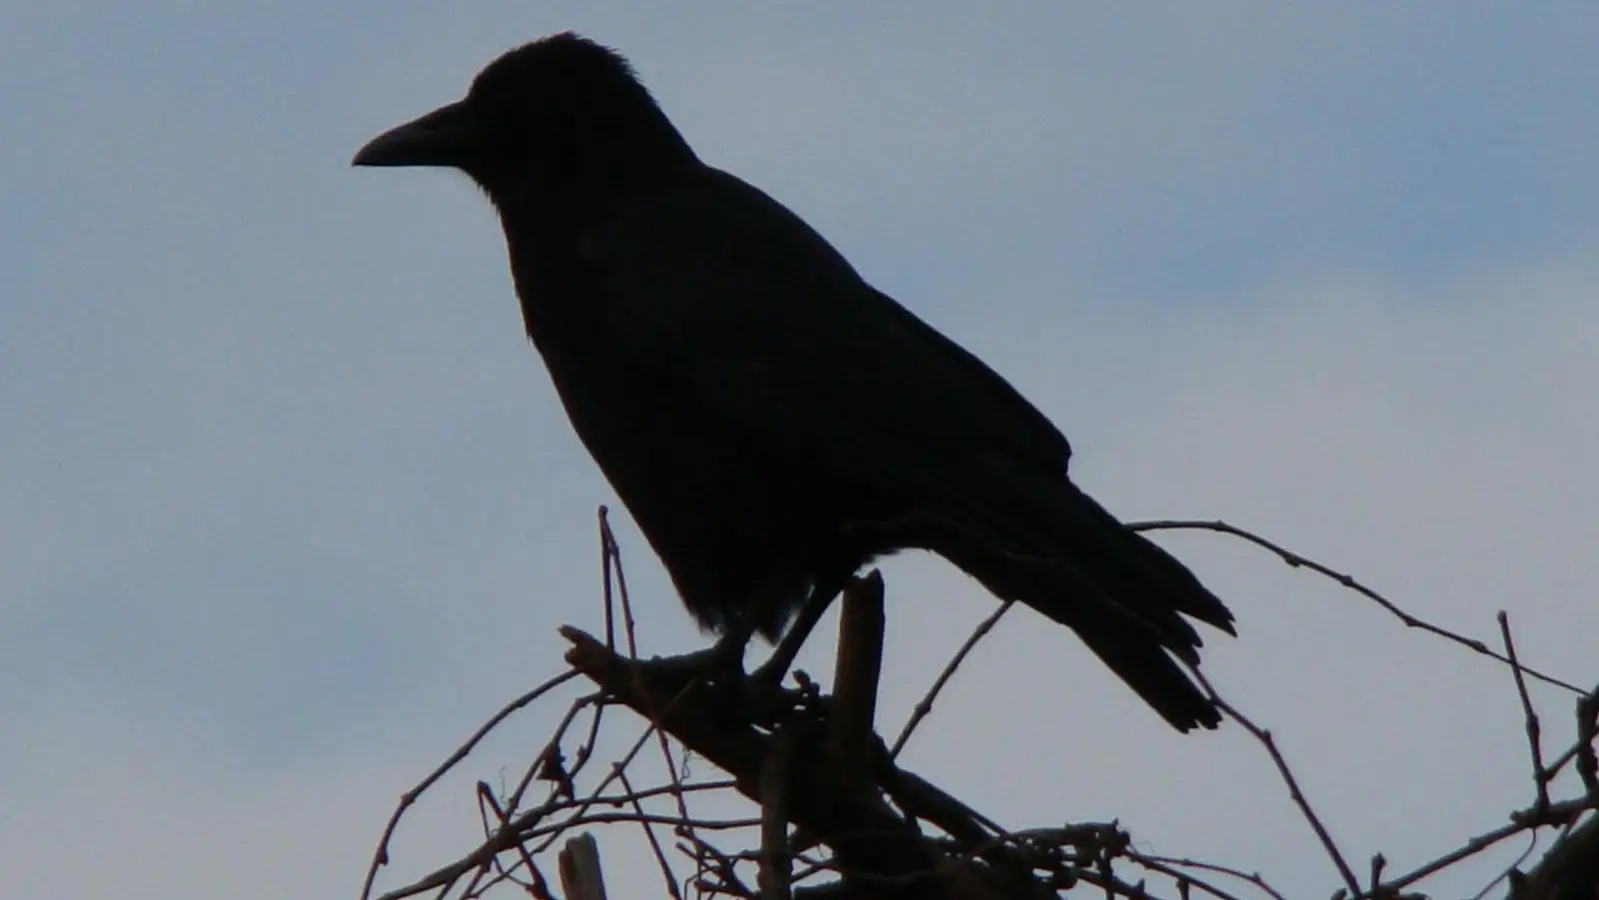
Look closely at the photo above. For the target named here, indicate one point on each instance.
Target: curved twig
(1296, 560)
(380, 857)
(925, 705)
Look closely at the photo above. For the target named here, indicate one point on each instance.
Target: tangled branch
(833, 816)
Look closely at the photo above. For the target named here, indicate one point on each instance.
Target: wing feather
(775, 335)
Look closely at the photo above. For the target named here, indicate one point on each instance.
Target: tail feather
(1064, 555)
(1186, 594)
(1150, 671)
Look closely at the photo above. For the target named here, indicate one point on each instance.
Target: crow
(773, 422)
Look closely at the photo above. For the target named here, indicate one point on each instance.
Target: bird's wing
(776, 335)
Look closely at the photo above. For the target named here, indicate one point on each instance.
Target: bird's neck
(557, 291)
(598, 168)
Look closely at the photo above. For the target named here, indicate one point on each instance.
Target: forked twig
(380, 857)
(1540, 776)
(880, 844)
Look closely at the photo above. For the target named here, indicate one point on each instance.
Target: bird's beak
(443, 137)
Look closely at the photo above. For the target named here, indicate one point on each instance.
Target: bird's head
(562, 116)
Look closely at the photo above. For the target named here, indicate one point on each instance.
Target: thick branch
(869, 841)
(1569, 871)
(855, 675)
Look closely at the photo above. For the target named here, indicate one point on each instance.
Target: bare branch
(841, 821)
(1540, 777)
(667, 875)
(775, 781)
(925, 705)
(857, 668)
(1295, 560)
(1570, 870)
(380, 858)
(1587, 730)
(581, 876)
(1266, 740)
(1253, 878)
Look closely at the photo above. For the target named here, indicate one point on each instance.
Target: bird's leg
(772, 672)
(727, 654)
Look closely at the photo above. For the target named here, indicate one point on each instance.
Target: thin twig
(1266, 740)
(627, 798)
(667, 874)
(613, 552)
(556, 829)
(725, 866)
(522, 828)
(1154, 864)
(1560, 813)
(1560, 762)
(606, 593)
(550, 754)
(925, 705)
(628, 758)
(1296, 560)
(486, 798)
(1540, 778)
(1511, 872)
(1253, 878)
(381, 856)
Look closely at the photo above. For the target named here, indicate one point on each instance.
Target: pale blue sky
(287, 504)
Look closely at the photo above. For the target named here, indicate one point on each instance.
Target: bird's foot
(770, 701)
